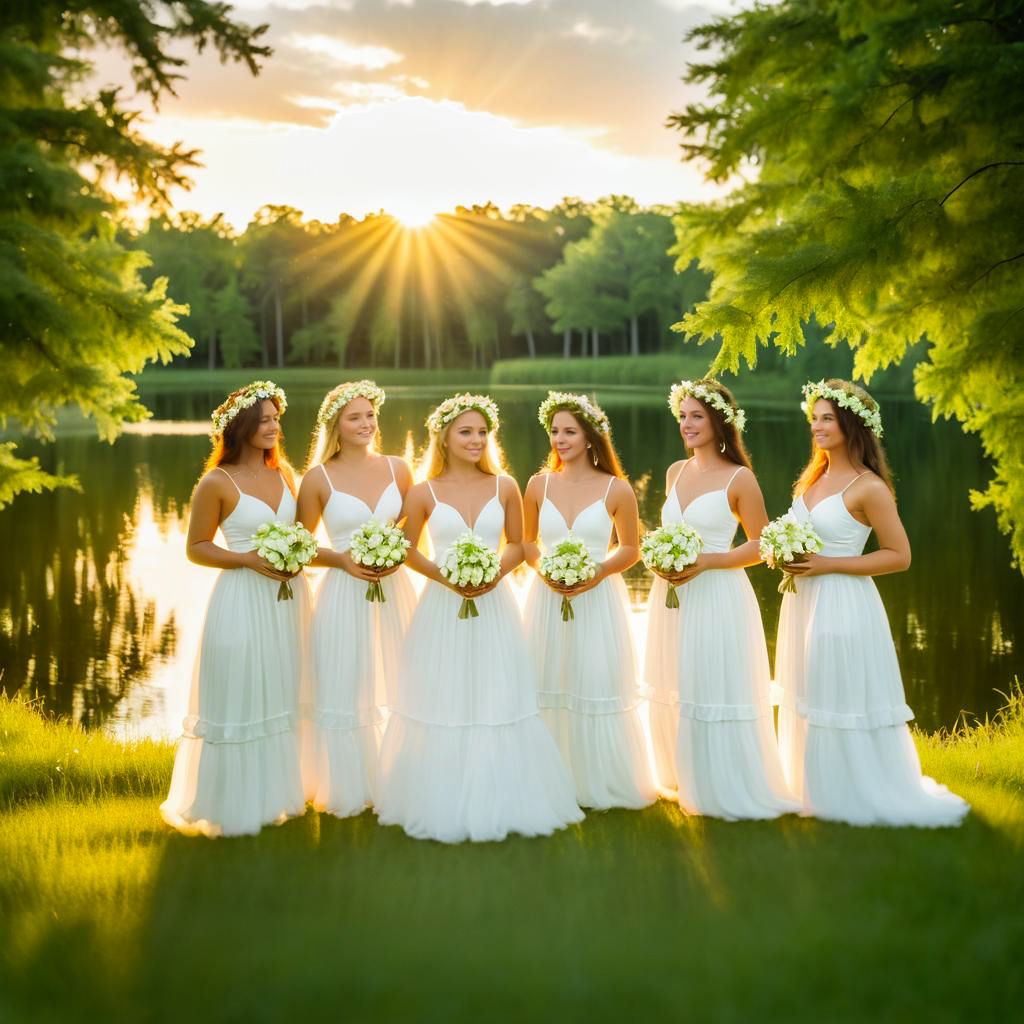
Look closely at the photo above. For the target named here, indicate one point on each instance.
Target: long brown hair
(728, 439)
(227, 448)
(602, 451)
(862, 445)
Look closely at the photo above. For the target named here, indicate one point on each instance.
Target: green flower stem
(468, 609)
(567, 612)
(284, 592)
(671, 597)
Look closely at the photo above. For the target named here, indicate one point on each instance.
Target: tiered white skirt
(708, 682)
(846, 748)
(356, 645)
(465, 754)
(588, 692)
(237, 766)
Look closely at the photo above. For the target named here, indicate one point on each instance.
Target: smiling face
(825, 429)
(467, 437)
(268, 429)
(568, 441)
(695, 425)
(357, 423)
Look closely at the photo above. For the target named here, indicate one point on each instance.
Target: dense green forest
(474, 286)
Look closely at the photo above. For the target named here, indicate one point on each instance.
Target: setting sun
(410, 215)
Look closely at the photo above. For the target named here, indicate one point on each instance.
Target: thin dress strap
(608, 489)
(854, 480)
(392, 468)
(497, 486)
(547, 477)
(327, 477)
(733, 477)
(231, 478)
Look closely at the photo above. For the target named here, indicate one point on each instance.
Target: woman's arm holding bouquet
(212, 496)
(869, 499)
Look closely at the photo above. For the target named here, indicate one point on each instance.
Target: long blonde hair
(863, 447)
(435, 459)
(326, 440)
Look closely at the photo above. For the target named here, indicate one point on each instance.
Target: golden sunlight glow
(411, 215)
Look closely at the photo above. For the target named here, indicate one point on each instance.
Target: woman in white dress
(706, 661)
(846, 747)
(237, 764)
(355, 643)
(465, 754)
(586, 668)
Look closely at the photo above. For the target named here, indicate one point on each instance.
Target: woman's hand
(577, 588)
(367, 573)
(687, 573)
(812, 565)
(251, 560)
(470, 591)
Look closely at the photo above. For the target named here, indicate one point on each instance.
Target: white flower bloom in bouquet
(671, 548)
(377, 546)
(469, 562)
(568, 562)
(784, 540)
(288, 547)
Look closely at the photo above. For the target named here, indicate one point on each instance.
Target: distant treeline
(476, 285)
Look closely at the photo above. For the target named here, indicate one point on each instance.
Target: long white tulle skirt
(237, 767)
(356, 646)
(588, 692)
(708, 681)
(846, 748)
(465, 754)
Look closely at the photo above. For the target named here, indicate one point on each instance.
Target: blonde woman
(586, 666)
(707, 661)
(355, 642)
(846, 748)
(237, 765)
(465, 754)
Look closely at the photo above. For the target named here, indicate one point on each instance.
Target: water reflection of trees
(74, 629)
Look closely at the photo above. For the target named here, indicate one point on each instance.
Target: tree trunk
(426, 346)
(595, 344)
(213, 350)
(584, 342)
(634, 335)
(567, 344)
(279, 326)
(305, 309)
(263, 331)
(398, 347)
(437, 349)
(531, 344)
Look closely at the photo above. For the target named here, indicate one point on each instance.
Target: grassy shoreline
(106, 914)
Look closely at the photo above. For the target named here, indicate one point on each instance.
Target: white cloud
(349, 55)
(410, 152)
(601, 33)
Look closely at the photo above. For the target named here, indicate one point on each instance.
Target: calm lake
(100, 611)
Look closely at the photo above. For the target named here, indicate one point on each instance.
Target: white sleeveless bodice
(251, 513)
(445, 523)
(345, 513)
(593, 524)
(709, 514)
(841, 534)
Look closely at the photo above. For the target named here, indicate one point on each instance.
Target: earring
(721, 447)
(594, 457)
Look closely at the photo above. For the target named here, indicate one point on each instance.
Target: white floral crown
(338, 399)
(708, 396)
(248, 396)
(845, 400)
(455, 406)
(578, 404)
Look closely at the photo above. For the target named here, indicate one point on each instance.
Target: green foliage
(76, 316)
(879, 150)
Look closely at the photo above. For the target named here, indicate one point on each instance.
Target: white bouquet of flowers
(568, 562)
(671, 548)
(470, 562)
(287, 547)
(784, 540)
(377, 546)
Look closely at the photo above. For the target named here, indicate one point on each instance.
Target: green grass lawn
(107, 915)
